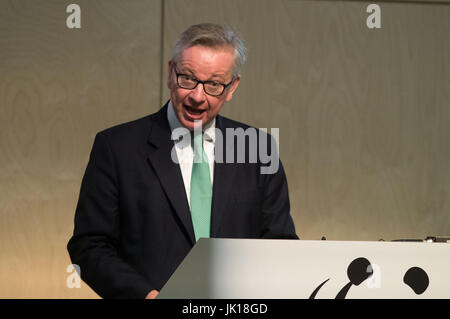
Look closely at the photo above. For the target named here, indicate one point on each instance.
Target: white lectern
(298, 269)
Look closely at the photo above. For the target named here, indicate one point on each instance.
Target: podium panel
(300, 269)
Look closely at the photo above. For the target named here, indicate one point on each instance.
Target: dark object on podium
(429, 239)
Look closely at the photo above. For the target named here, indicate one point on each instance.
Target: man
(142, 205)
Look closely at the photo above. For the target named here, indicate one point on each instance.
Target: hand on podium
(152, 294)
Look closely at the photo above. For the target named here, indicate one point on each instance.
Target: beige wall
(363, 114)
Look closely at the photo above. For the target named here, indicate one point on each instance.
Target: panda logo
(361, 269)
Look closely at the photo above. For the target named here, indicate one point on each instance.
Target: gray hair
(212, 36)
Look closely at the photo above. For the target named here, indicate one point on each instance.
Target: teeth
(194, 111)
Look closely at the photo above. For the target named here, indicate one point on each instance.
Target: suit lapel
(223, 183)
(167, 171)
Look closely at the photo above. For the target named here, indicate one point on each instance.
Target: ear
(233, 88)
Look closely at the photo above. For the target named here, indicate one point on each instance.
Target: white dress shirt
(185, 153)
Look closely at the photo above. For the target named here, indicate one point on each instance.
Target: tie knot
(197, 145)
(196, 137)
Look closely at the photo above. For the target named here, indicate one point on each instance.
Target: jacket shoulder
(226, 122)
(130, 127)
(132, 131)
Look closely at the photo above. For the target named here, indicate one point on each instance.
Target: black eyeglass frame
(202, 82)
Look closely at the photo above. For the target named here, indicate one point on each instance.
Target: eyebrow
(220, 78)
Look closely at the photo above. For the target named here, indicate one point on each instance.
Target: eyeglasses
(189, 82)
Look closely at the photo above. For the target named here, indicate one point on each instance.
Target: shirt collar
(209, 130)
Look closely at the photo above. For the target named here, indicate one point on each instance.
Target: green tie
(201, 190)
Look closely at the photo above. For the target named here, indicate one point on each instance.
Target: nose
(198, 94)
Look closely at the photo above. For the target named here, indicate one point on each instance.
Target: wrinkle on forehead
(207, 62)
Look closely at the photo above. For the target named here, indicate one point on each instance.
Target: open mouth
(193, 112)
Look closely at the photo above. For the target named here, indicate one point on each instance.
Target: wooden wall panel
(363, 113)
(58, 87)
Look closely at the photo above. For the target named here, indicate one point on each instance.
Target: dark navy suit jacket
(132, 222)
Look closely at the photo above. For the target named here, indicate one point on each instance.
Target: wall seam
(161, 67)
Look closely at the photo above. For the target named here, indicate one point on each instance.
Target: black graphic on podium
(417, 279)
(360, 269)
(313, 295)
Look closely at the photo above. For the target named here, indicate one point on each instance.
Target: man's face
(204, 64)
